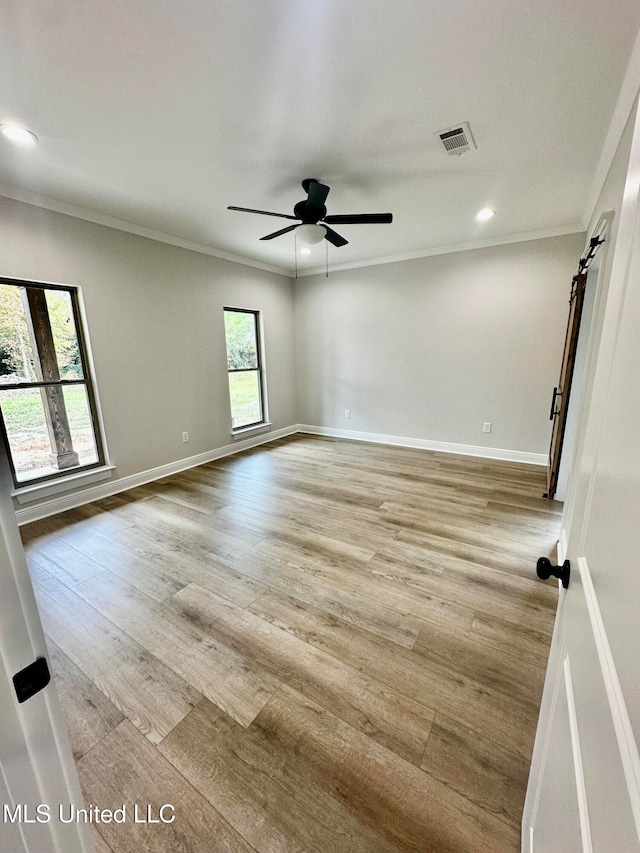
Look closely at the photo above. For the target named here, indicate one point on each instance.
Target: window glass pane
(24, 417)
(80, 423)
(16, 354)
(242, 348)
(65, 338)
(26, 427)
(246, 405)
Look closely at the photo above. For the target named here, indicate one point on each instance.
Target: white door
(36, 764)
(584, 787)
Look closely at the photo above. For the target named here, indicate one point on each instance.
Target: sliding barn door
(560, 400)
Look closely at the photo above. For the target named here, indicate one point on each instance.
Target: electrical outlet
(347, 413)
(185, 437)
(486, 427)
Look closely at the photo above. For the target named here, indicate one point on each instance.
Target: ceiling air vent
(457, 140)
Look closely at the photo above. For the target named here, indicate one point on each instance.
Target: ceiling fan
(312, 211)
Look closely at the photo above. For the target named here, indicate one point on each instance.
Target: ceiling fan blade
(359, 218)
(278, 233)
(263, 212)
(317, 194)
(334, 237)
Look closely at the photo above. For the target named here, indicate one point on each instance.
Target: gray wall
(432, 348)
(155, 321)
(428, 349)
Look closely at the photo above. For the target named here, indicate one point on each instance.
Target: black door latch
(545, 569)
(31, 679)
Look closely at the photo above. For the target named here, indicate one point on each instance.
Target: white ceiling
(162, 113)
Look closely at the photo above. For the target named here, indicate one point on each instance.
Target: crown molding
(522, 237)
(78, 212)
(624, 105)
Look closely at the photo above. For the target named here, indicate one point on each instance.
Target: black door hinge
(31, 679)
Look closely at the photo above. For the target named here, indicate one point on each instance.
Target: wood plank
(160, 571)
(126, 769)
(64, 563)
(214, 669)
(360, 580)
(384, 713)
(409, 808)
(88, 713)
(263, 792)
(479, 769)
(387, 596)
(512, 721)
(99, 843)
(111, 552)
(88, 516)
(37, 570)
(394, 624)
(378, 784)
(189, 495)
(486, 664)
(280, 516)
(156, 569)
(473, 587)
(503, 560)
(485, 527)
(294, 545)
(518, 640)
(148, 693)
(43, 530)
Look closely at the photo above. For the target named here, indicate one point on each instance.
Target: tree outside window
(47, 404)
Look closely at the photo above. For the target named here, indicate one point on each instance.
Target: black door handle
(545, 569)
(556, 393)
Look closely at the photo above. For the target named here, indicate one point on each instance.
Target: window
(246, 381)
(48, 410)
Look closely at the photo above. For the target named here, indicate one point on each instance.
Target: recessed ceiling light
(485, 214)
(19, 135)
(306, 251)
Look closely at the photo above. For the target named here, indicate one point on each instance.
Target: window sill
(246, 432)
(38, 491)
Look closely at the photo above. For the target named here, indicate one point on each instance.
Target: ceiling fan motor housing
(309, 214)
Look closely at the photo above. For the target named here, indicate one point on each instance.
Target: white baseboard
(104, 490)
(426, 444)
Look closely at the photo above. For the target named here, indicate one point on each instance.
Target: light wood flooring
(317, 645)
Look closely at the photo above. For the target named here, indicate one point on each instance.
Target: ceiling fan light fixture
(310, 234)
(19, 135)
(485, 214)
